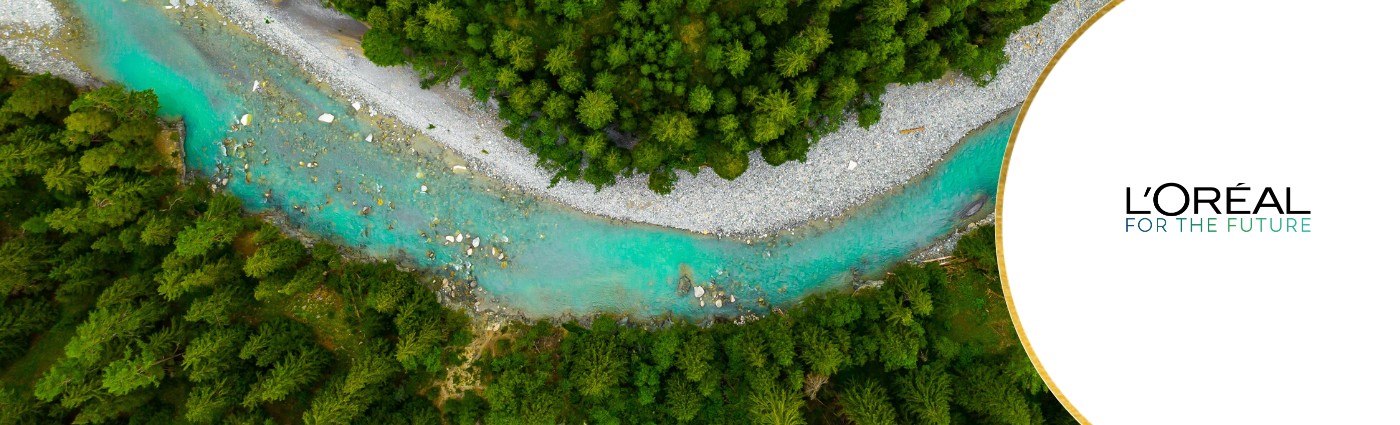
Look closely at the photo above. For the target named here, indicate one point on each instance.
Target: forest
(598, 89)
(130, 296)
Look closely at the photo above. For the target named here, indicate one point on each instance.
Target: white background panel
(1214, 327)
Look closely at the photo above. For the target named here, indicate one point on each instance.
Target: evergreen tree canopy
(124, 299)
(679, 85)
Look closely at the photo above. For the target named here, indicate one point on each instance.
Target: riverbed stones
(764, 199)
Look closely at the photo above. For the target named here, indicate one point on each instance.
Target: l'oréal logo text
(1247, 210)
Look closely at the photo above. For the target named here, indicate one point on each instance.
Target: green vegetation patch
(126, 296)
(598, 89)
(122, 297)
(932, 345)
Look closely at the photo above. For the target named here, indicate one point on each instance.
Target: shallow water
(555, 260)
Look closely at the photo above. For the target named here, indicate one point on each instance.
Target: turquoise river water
(554, 260)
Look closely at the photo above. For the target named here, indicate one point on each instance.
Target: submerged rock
(699, 292)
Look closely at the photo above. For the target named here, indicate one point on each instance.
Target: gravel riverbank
(27, 30)
(844, 170)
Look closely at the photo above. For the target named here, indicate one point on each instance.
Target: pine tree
(694, 360)
(738, 58)
(596, 108)
(821, 350)
(899, 345)
(778, 335)
(207, 234)
(20, 318)
(925, 394)
(174, 284)
(132, 371)
(212, 354)
(770, 404)
(986, 392)
(440, 24)
(675, 130)
(105, 325)
(207, 403)
(348, 396)
(16, 406)
(701, 99)
(598, 367)
(216, 308)
(867, 404)
(273, 257)
(274, 340)
(683, 402)
(559, 60)
(294, 372)
(41, 95)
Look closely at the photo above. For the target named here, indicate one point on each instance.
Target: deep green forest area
(127, 295)
(602, 88)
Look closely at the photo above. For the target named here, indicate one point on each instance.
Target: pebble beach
(919, 126)
(28, 29)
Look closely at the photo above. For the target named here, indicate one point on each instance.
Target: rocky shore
(763, 200)
(920, 123)
(28, 30)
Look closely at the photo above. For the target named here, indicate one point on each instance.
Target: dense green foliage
(600, 88)
(933, 345)
(126, 296)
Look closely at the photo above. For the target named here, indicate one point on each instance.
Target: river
(370, 195)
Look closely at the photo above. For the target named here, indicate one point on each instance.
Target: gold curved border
(1001, 189)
